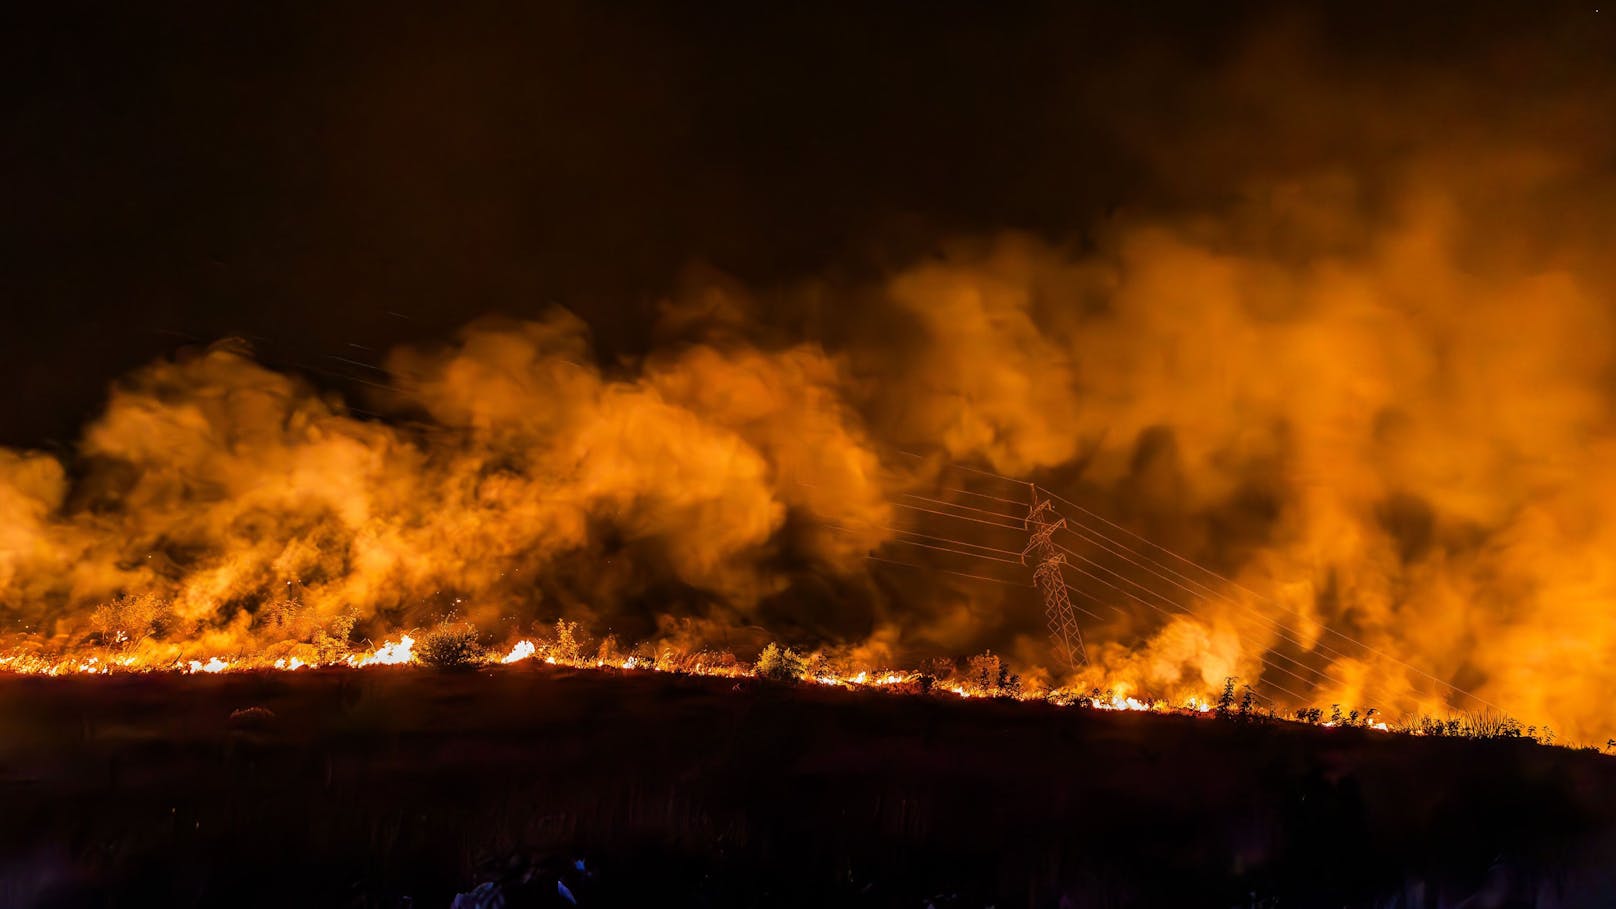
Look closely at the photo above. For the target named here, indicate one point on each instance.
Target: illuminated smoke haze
(1362, 365)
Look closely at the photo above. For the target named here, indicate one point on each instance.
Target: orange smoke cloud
(225, 488)
(1378, 431)
(1364, 370)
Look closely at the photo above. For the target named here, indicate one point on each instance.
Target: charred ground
(385, 787)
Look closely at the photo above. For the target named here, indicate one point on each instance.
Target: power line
(913, 533)
(1094, 536)
(1062, 525)
(995, 514)
(983, 495)
(1164, 572)
(977, 555)
(1081, 535)
(1261, 658)
(1177, 608)
(874, 558)
(1096, 601)
(1208, 592)
(972, 508)
(1273, 625)
(1320, 673)
(1095, 617)
(1162, 597)
(1111, 545)
(955, 466)
(958, 517)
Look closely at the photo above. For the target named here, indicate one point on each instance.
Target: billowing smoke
(1363, 368)
(225, 487)
(1380, 440)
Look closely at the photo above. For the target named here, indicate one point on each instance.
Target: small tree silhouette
(1226, 699)
(130, 618)
(984, 671)
(566, 648)
(780, 665)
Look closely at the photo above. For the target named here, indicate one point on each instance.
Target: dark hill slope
(367, 788)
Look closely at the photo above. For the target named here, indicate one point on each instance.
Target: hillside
(400, 787)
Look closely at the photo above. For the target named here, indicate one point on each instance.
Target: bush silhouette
(450, 646)
(781, 665)
(990, 675)
(129, 619)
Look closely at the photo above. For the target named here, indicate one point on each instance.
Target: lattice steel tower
(1041, 523)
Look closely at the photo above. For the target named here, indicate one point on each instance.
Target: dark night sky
(293, 174)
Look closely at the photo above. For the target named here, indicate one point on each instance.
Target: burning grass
(127, 640)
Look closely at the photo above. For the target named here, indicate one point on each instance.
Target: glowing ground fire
(984, 677)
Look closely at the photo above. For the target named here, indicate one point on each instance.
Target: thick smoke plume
(1366, 372)
(226, 487)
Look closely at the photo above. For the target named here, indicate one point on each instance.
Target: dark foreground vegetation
(404, 787)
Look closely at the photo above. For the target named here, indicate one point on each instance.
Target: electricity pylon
(1042, 522)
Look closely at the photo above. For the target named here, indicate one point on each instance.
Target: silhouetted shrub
(450, 646)
(567, 649)
(943, 669)
(779, 664)
(1489, 724)
(330, 641)
(289, 619)
(1483, 724)
(1248, 703)
(988, 673)
(130, 618)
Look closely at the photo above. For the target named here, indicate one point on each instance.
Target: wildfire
(214, 664)
(514, 459)
(520, 652)
(389, 654)
(972, 683)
